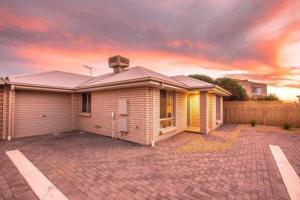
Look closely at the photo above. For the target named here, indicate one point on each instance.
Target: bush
(270, 97)
(286, 126)
(253, 122)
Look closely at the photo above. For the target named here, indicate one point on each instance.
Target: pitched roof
(52, 79)
(65, 80)
(192, 82)
(130, 75)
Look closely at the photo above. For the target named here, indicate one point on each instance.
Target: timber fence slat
(271, 113)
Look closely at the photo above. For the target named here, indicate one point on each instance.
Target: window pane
(163, 102)
(84, 102)
(218, 110)
(170, 106)
(166, 123)
(259, 91)
(89, 102)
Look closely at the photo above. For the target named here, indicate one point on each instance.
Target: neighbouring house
(130, 103)
(253, 89)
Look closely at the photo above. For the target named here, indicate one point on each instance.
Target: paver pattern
(90, 166)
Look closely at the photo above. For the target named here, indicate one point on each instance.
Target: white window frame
(173, 118)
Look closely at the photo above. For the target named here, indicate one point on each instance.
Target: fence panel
(264, 112)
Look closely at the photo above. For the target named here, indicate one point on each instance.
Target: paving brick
(90, 166)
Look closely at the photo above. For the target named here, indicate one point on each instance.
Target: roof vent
(118, 63)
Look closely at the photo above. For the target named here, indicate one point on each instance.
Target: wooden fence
(271, 113)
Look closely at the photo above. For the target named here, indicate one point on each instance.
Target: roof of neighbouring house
(247, 81)
(66, 80)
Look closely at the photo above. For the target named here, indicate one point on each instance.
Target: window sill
(85, 114)
(167, 130)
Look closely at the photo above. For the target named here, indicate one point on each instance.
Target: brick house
(254, 89)
(131, 103)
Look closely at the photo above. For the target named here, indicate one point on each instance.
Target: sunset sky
(254, 39)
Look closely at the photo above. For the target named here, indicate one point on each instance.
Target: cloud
(220, 35)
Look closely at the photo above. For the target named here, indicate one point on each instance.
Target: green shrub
(253, 122)
(287, 126)
(270, 97)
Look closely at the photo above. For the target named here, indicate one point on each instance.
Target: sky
(256, 40)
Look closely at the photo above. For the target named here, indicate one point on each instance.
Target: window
(167, 108)
(257, 91)
(218, 107)
(86, 102)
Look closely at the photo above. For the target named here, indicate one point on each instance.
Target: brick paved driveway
(88, 166)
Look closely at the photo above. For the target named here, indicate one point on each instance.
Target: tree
(202, 78)
(236, 90)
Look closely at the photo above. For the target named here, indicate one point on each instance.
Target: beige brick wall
(211, 111)
(204, 122)
(212, 116)
(106, 102)
(144, 114)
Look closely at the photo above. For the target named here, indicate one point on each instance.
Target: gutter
(216, 89)
(42, 88)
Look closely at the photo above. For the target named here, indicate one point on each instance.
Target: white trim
(85, 114)
(40, 185)
(167, 129)
(290, 178)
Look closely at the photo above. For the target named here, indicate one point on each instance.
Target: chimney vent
(118, 63)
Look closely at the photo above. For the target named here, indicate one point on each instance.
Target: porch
(204, 112)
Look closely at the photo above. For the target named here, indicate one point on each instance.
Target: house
(253, 89)
(130, 103)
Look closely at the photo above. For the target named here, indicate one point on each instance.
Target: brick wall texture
(143, 114)
(105, 102)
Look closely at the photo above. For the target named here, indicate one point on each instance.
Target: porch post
(204, 112)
